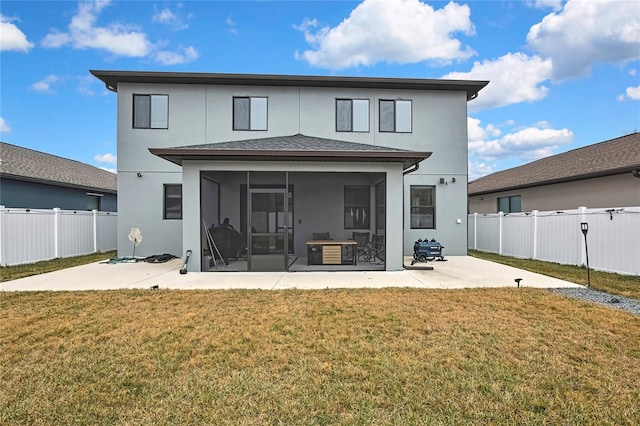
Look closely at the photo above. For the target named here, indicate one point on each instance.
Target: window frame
(360, 224)
(166, 196)
(351, 118)
(149, 119)
(510, 199)
(412, 206)
(249, 116)
(395, 115)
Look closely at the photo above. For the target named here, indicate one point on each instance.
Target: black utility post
(584, 226)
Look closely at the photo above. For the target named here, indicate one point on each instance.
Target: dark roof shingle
(27, 164)
(294, 147)
(606, 158)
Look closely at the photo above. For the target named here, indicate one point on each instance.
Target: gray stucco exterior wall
(201, 114)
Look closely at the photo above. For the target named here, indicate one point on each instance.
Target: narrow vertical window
(357, 207)
(250, 113)
(172, 201)
(423, 207)
(150, 111)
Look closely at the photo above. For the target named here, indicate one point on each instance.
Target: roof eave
(58, 183)
(178, 156)
(112, 78)
(603, 173)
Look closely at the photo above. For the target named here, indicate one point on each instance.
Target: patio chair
(376, 249)
(362, 246)
(324, 236)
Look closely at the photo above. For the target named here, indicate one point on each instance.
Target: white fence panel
(26, 228)
(107, 224)
(31, 235)
(488, 233)
(559, 238)
(76, 233)
(517, 234)
(614, 240)
(613, 237)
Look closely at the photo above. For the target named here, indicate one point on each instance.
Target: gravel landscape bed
(602, 298)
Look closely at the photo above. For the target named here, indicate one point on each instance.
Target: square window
(352, 115)
(395, 116)
(422, 207)
(150, 111)
(249, 113)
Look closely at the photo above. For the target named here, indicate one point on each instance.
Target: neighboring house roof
(112, 78)
(26, 164)
(296, 147)
(612, 157)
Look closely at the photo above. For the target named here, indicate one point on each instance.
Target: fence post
(95, 231)
(534, 249)
(475, 231)
(582, 218)
(56, 232)
(3, 261)
(500, 215)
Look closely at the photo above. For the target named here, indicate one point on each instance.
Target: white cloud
(11, 37)
(514, 78)
(105, 158)
(231, 24)
(393, 31)
(44, 85)
(183, 56)
(633, 93)
(170, 18)
(633, 72)
(4, 127)
(526, 144)
(555, 5)
(117, 39)
(109, 169)
(585, 33)
(478, 169)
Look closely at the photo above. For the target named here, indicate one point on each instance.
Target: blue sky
(564, 74)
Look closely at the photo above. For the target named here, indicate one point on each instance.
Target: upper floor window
(395, 116)
(150, 111)
(352, 115)
(511, 204)
(249, 113)
(423, 203)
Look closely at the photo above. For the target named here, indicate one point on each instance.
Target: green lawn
(344, 357)
(625, 285)
(20, 271)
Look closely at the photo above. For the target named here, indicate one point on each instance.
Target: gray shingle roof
(289, 148)
(297, 142)
(615, 156)
(26, 164)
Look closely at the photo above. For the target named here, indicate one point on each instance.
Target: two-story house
(281, 158)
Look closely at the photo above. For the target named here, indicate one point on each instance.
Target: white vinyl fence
(613, 237)
(30, 235)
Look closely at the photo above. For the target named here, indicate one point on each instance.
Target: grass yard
(625, 285)
(20, 271)
(345, 357)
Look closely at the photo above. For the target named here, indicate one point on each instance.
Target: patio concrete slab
(456, 272)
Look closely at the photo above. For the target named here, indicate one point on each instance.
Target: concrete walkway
(456, 272)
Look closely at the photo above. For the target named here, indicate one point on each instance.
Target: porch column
(191, 225)
(394, 206)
